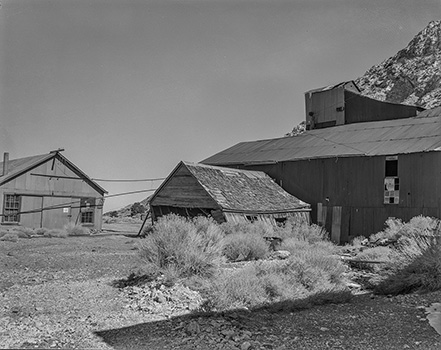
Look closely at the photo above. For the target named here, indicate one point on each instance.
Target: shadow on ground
(361, 323)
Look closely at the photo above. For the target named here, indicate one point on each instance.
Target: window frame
(87, 210)
(17, 199)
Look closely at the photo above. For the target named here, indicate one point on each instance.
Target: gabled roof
(334, 86)
(400, 136)
(17, 167)
(242, 190)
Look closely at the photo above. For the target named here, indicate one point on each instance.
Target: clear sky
(131, 87)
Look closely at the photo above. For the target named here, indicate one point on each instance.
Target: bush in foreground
(244, 246)
(178, 248)
(412, 262)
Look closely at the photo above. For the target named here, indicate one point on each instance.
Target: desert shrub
(258, 228)
(357, 242)
(40, 231)
(244, 246)
(55, 233)
(302, 231)
(9, 237)
(382, 254)
(23, 232)
(175, 241)
(396, 228)
(415, 259)
(267, 282)
(76, 230)
(3, 232)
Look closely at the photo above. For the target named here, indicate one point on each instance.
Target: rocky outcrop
(412, 76)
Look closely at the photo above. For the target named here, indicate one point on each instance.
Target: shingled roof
(243, 190)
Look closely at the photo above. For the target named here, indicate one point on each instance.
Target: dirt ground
(60, 293)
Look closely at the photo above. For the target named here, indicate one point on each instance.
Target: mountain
(412, 76)
(131, 209)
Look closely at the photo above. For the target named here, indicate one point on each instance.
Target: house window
(391, 181)
(11, 208)
(87, 208)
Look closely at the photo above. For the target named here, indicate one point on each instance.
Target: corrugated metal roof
(244, 190)
(400, 136)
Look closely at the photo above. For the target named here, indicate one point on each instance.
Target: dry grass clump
(54, 233)
(76, 230)
(9, 237)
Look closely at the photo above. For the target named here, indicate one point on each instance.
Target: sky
(131, 87)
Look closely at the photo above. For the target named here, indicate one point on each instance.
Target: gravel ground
(60, 293)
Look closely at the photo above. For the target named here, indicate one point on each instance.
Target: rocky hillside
(412, 76)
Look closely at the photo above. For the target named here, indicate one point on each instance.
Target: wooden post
(336, 225)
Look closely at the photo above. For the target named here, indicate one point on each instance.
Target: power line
(132, 192)
(131, 180)
(70, 204)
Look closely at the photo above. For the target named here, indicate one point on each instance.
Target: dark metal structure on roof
(226, 195)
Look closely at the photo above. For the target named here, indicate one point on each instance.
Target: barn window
(87, 206)
(391, 166)
(391, 181)
(11, 208)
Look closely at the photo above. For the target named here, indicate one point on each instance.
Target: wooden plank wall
(357, 185)
(36, 190)
(182, 190)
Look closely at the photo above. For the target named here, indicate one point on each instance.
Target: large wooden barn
(355, 175)
(226, 195)
(48, 191)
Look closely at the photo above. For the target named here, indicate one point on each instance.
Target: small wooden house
(226, 195)
(48, 191)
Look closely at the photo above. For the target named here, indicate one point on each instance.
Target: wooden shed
(226, 195)
(48, 191)
(356, 175)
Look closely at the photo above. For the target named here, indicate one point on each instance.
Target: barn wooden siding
(349, 191)
(54, 200)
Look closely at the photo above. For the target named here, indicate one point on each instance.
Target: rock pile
(156, 298)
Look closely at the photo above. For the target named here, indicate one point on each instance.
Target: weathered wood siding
(356, 184)
(182, 190)
(359, 108)
(43, 192)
